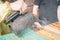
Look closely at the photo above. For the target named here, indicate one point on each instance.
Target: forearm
(58, 13)
(36, 8)
(35, 11)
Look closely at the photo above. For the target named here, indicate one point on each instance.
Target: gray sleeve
(59, 2)
(36, 2)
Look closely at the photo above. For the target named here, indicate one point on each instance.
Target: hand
(36, 25)
(23, 8)
(16, 5)
(19, 5)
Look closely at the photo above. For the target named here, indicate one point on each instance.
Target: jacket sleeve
(37, 2)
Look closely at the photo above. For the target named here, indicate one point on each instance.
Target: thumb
(24, 8)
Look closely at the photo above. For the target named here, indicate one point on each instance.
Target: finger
(24, 8)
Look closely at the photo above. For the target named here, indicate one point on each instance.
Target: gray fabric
(48, 10)
(59, 2)
(37, 2)
(22, 22)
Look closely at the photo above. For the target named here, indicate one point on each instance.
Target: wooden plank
(55, 25)
(51, 31)
(48, 35)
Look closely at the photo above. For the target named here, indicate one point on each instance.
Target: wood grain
(51, 31)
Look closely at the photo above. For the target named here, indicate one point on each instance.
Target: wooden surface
(56, 25)
(50, 34)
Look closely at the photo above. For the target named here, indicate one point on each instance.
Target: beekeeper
(45, 10)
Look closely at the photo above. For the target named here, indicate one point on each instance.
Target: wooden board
(48, 35)
(51, 31)
(55, 25)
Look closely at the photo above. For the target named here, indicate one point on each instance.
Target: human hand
(37, 25)
(19, 5)
(23, 8)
